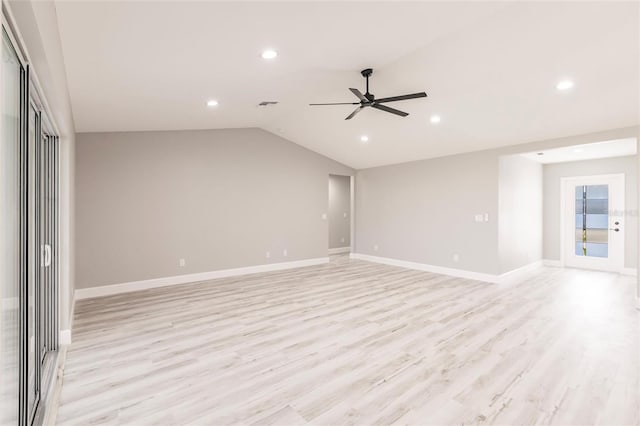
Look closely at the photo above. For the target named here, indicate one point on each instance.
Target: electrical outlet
(479, 217)
(456, 257)
(182, 262)
(375, 247)
(268, 255)
(486, 217)
(345, 214)
(284, 252)
(342, 240)
(324, 216)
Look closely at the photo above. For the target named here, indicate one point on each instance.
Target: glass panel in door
(592, 220)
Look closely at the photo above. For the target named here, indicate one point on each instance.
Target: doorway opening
(340, 214)
(590, 205)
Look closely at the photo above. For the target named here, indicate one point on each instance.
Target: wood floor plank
(353, 342)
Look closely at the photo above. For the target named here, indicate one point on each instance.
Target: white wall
(339, 211)
(552, 175)
(519, 212)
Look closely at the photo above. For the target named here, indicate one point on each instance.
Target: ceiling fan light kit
(369, 100)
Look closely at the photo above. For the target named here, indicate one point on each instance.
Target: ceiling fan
(368, 100)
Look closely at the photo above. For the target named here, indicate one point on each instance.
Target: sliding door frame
(38, 203)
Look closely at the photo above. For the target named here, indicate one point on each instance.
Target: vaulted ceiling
(490, 70)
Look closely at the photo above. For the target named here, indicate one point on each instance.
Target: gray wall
(339, 211)
(425, 211)
(218, 199)
(553, 173)
(519, 212)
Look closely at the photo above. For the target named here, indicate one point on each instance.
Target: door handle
(614, 229)
(47, 255)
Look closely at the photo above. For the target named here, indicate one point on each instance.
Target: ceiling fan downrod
(366, 73)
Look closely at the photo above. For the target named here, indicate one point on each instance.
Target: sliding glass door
(28, 244)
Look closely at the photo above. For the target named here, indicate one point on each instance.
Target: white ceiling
(490, 70)
(592, 151)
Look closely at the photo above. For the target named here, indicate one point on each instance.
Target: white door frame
(614, 263)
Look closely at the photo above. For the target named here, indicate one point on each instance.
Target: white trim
(427, 268)
(554, 263)
(107, 290)
(629, 271)
(507, 277)
(64, 338)
(352, 201)
(339, 250)
(516, 275)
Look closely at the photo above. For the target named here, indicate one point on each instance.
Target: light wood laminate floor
(353, 342)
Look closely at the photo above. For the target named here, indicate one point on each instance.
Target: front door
(593, 222)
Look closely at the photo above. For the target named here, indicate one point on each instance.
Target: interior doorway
(587, 188)
(594, 222)
(340, 214)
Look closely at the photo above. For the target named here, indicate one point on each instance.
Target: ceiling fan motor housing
(366, 72)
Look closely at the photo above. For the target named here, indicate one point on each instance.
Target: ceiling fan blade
(391, 110)
(358, 94)
(353, 114)
(403, 97)
(339, 103)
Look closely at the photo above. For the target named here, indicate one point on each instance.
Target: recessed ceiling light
(435, 119)
(212, 103)
(269, 54)
(364, 139)
(564, 85)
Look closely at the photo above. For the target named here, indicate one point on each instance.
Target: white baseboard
(108, 290)
(507, 277)
(552, 263)
(520, 273)
(339, 250)
(64, 337)
(630, 271)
